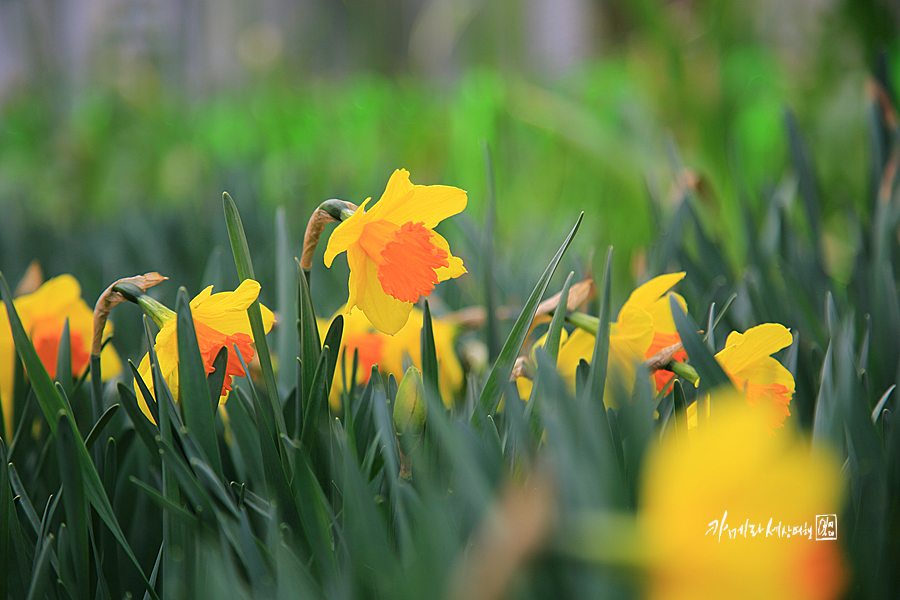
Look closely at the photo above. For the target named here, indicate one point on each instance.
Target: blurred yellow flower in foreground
(43, 314)
(220, 320)
(393, 252)
(733, 512)
(643, 328)
(765, 382)
(387, 352)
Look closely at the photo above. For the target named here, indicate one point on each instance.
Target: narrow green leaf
(876, 412)
(164, 503)
(490, 302)
(711, 374)
(194, 391)
(75, 505)
(40, 576)
(805, 175)
(333, 341)
(187, 482)
(681, 425)
(216, 380)
(596, 382)
(149, 399)
(98, 427)
(24, 500)
(64, 360)
(554, 333)
(430, 374)
(96, 398)
(551, 347)
(279, 492)
(109, 563)
(310, 344)
(502, 368)
(316, 412)
(5, 517)
(286, 303)
(146, 430)
(244, 265)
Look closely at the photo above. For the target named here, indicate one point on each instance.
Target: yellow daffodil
(652, 297)
(394, 254)
(643, 328)
(43, 314)
(733, 513)
(220, 320)
(746, 360)
(387, 352)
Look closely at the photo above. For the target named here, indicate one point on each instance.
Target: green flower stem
(585, 322)
(683, 370)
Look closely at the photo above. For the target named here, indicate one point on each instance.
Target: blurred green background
(122, 121)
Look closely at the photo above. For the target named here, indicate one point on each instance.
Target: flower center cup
(406, 258)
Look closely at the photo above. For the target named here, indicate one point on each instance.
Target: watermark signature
(825, 528)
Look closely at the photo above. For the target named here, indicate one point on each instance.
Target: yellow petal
(227, 311)
(766, 372)
(385, 312)
(661, 311)
(403, 202)
(742, 351)
(456, 268)
(357, 259)
(55, 296)
(633, 330)
(645, 295)
(578, 345)
(346, 233)
(200, 298)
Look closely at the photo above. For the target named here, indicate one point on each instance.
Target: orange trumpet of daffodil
(220, 321)
(43, 314)
(393, 252)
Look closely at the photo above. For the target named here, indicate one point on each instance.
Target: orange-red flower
(220, 320)
(394, 254)
(43, 314)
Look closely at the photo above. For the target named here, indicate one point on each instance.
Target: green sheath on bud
(410, 407)
(156, 310)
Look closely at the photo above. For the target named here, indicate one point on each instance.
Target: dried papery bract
(330, 211)
(110, 297)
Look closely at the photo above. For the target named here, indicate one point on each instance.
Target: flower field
(436, 382)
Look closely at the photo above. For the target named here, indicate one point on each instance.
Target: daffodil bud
(410, 408)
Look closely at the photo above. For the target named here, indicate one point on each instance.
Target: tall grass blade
(502, 368)
(194, 391)
(595, 384)
(244, 265)
(75, 507)
(711, 374)
(286, 303)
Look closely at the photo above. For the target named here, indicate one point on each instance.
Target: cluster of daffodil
(395, 258)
